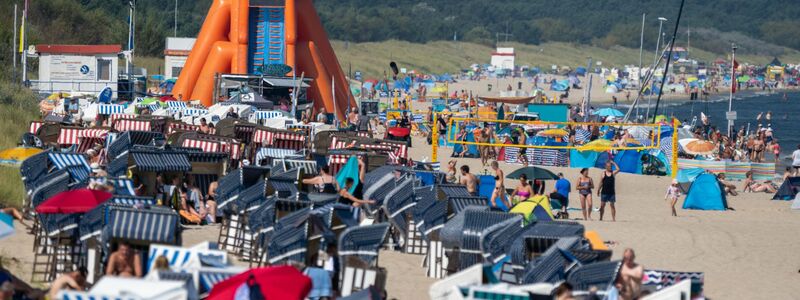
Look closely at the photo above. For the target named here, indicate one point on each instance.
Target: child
(673, 193)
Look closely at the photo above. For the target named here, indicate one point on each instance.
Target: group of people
(606, 191)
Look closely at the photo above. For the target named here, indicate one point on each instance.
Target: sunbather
(729, 187)
(124, 262)
(756, 187)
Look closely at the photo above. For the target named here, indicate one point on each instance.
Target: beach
(745, 254)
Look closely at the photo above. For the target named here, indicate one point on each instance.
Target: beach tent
(582, 159)
(536, 208)
(472, 150)
(629, 161)
(788, 189)
(706, 194)
(485, 188)
(796, 203)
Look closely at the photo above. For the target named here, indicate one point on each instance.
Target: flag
(734, 82)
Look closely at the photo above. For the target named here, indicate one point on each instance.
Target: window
(103, 70)
(176, 71)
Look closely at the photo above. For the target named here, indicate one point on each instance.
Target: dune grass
(372, 59)
(18, 106)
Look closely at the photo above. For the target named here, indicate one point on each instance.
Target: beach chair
(358, 251)
(289, 238)
(186, 278)
(601, 275)
(432, 222)
(478, 224)
(397, 206)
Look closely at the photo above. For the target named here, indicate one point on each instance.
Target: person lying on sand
(757, 187)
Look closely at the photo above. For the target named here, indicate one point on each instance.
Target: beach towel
(189, 217)
(350, 169)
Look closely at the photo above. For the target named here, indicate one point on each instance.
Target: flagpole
(22, 39)
(13, 46)
(733, 88)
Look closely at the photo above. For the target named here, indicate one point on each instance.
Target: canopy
(283, 282)
(533, 173)
(597, 145)
(609, 112)
(553, 132)
(509, 100)
(75, 201)
(700, 147)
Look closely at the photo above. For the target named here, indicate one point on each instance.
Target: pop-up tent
(788, 189)
(706, 193)
(536, 208)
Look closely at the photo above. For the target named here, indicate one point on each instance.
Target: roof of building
(79, 49)
(179, 44)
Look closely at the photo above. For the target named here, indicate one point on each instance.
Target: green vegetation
(372, 59)
(18, 106)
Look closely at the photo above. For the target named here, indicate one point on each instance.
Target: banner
(64, 67)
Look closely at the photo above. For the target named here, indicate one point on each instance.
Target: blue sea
(747, 104)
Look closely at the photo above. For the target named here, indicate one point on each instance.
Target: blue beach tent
(706, 193)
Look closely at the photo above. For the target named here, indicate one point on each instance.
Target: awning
(130, 125)
(194, 112)
(161, 162)
(107, 109)
(206, 146)
(93, 133)
(275, 153)
(74, 163)
(69, 136)
(285, 82)
(152, 225)
(266, 114)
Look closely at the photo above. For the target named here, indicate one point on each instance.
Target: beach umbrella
(74, 201)
(6, 225)
(700, 147)
(609, 112)
(283, 282)
(533, 173)
(15, 156)
(597, 145)
(556, 132)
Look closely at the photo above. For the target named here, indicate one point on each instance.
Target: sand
(745, 254)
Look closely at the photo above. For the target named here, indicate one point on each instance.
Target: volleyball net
(565, 136)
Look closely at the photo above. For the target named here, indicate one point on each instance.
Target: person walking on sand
(607, 190)
(796, 161)
(673, 193)
(584, 187)
(499, 186)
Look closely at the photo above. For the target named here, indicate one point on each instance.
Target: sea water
(747, 104)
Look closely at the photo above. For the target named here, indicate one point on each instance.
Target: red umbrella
(282, 282)
(74, 201)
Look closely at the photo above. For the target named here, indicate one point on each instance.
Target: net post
(435, 138)
(674, 148)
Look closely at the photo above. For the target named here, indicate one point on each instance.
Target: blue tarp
(485, 189)
(705, 194)
(350, 169)
(582, 159)
(629, 161)
(688, 175)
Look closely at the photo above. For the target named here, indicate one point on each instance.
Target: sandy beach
(745, 254)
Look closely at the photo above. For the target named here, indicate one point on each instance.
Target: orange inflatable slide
(239, 36)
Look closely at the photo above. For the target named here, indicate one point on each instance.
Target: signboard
(73, 67)
(731, 115)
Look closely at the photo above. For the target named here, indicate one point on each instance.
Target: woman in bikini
(754, 186)
(523, 191)
(324, 183)
(584, 187)
(499, 186)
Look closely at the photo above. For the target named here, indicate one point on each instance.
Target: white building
(175, 54)
(503, 58)
(77, 68)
